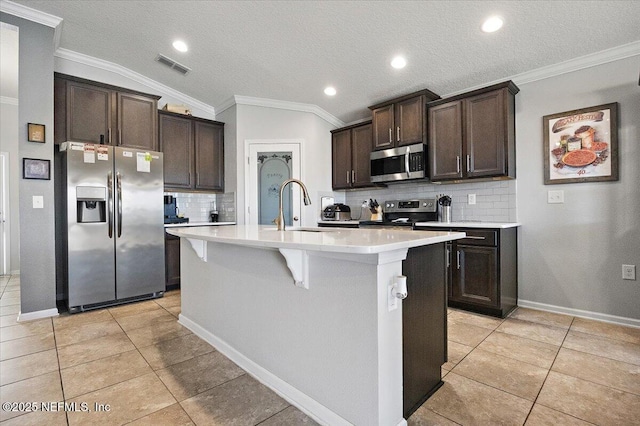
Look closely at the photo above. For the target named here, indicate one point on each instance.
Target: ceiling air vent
(182, 69)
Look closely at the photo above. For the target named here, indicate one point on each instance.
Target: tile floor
(533, 368)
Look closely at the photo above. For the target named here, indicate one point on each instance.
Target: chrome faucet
(279, 221)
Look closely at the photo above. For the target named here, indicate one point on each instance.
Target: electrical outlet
(555, 197)
(629, 272)
(471, 198)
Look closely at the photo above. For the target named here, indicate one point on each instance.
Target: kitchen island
(309, 312)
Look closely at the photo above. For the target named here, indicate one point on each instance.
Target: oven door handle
(406, 161)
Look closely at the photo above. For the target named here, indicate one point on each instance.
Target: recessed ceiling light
(180, 46)
(398, 62)
(330, 91)
(492, 24)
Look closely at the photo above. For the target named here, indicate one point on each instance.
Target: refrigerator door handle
(110, 202)
(119, 199)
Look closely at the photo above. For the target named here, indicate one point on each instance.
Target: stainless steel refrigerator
(113, 241)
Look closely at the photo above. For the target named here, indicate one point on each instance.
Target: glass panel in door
(273, 169)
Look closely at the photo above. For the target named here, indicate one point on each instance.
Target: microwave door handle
(110, 202)
(406, 162)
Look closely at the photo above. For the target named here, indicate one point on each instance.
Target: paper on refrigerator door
(89, 153)
(102, 153)
(143, 162)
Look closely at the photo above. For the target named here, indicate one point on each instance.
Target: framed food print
(581, 145)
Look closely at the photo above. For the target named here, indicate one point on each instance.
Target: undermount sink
(304, 230)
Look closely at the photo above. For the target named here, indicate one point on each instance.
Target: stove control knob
(424, 204)
(387, 205)
(392, 205)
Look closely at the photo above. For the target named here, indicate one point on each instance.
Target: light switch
(38, 202)
(555, 197)
(471, 198)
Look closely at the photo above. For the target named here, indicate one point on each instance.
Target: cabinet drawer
(479, 237)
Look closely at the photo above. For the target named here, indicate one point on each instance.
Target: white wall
(570, 254)
(257, 122)
(9, 144)
(37, 233)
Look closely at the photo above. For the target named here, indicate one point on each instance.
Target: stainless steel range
(404, 213)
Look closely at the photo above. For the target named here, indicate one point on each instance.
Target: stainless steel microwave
(402, 163)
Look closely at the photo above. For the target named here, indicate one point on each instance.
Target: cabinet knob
(398, 133)
(295, 218)
(390, 135)
(458, 163)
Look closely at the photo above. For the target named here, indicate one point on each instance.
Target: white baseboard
(631, 322)
(37, 315)
(306, 404)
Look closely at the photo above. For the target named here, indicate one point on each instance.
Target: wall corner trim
(80, 58)
(47, 313)
(613, 319)
(286, 105)
(8, 101)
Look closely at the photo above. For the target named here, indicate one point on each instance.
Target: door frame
(5, 234)
(251, 147)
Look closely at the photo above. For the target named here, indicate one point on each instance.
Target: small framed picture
(36, 169)
(35, 133)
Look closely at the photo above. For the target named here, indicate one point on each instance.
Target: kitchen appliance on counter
(397, 164)
(111, 226)
(337, 212)
(404, 213)
(171, 211)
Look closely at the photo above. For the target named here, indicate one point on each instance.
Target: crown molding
(594, 59)
(8, 101)
(29, 14)
(70, 55)
(286, 105)
(36, 16)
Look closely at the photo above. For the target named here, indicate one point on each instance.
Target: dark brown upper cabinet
(88, 111)
(401, 121)
(193, 151)
(473, 135)
(350, 150)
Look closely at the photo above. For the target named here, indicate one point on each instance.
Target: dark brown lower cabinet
(483, 274)
(424, 324)
(172, 261)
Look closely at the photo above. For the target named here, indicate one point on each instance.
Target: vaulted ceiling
(292, 50)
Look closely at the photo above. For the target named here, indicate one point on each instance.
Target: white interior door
(270, 163)
(4, 199)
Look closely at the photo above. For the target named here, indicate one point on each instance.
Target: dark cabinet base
(424, 325)
(485, 310)
(172, 261)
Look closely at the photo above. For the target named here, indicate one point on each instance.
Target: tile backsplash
(196, 206)
(495, 200)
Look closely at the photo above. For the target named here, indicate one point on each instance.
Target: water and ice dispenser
(91, 204)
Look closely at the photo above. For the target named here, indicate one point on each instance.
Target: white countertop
(185, 225)
(341, 240)
(470, 224)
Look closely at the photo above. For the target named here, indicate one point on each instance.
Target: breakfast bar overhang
(311, 313)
